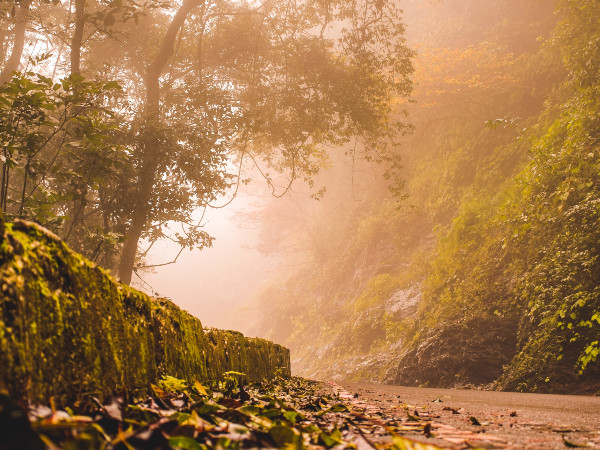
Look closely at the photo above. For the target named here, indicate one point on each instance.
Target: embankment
(67, 329)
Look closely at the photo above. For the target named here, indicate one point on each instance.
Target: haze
(414, 182)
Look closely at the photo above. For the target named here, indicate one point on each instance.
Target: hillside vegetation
(484, 269)
(524, 260)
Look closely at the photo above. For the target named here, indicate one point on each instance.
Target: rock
(471, 352)
(68, 329)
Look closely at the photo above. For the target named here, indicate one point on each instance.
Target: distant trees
(19, 11)
(182, 93)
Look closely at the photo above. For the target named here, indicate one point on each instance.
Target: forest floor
(482, 419)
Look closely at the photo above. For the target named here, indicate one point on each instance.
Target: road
(481, 419)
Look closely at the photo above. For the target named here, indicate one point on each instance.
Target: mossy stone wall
(68, 329)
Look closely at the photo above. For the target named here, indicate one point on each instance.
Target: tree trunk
(13, 62)
(3, 45)
(142, 208)
(76, 216)
(77, 38)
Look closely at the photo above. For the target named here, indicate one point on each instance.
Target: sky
(213, 283)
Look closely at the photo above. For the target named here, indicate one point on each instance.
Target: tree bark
(3, 45)
(77, 38)
(142, 208)
(13, 62)
(77, 209)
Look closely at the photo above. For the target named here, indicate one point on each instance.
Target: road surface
(480, 419)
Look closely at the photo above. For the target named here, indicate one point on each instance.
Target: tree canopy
(123, 118)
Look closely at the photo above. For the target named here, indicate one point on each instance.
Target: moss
(68, 329)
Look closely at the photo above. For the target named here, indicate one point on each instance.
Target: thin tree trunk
(3, 44)
(13, 62)
(150, 151)
(6, 185)
(77, 38)
(75, 221)
(3, 183)
(24, 190)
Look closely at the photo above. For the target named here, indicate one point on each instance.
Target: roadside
(291, 413)
(480, 419)
(302, 414)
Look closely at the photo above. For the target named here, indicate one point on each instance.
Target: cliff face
(67, 328)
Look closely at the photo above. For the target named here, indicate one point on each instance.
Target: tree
(65, 168)
(225, 82)
(56, 143)
(20, 12)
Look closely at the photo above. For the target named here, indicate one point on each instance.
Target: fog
(401, 112)
(213, 283)
(219, 284)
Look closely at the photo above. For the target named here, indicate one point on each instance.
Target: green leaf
(339, 407)
(285, 436)
(184, 443)
(250, 410)
(112, 85)
(331, 439)
(292, 416)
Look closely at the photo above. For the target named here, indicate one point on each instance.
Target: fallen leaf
(474, 421)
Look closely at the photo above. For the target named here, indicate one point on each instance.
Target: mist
(215, 282)
(262, 240)
(408, 185)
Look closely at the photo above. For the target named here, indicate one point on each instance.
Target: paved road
(508, 420)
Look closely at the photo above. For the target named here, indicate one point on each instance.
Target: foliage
(57, 145)
(530, 252)
(171, 384)
(558, 210)
(290, 413)
(224, 83)
(358, 275)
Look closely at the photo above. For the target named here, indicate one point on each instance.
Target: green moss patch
(68, 329)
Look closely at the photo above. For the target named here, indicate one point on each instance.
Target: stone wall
(68, 329)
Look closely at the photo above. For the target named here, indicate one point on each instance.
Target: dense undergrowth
(497, 242)
(527, 256)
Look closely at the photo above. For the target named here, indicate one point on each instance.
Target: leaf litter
(290, 413)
